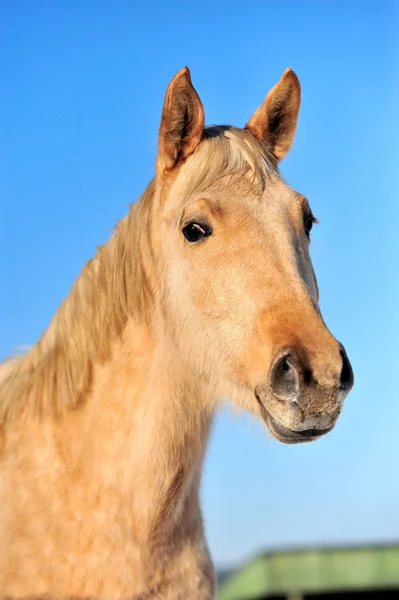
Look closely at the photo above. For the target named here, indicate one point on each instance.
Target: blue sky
(82, 86)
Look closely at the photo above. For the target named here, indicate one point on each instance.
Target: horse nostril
(284, 379)
(347, 378)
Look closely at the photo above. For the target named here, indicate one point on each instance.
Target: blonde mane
(56, 373)
(227, 151)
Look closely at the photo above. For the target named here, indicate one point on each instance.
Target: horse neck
(141, 435)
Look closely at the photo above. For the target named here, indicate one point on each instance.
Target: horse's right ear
(182, 123)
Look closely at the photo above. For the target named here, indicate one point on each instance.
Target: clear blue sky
(82, 86)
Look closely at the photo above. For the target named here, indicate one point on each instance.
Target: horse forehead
(275, 195)
(238, 195)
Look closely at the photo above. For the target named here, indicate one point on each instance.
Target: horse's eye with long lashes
(308, 224)
(194, 232)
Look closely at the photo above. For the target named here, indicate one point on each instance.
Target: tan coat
(196, 297)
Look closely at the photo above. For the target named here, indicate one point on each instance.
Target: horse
(204, 291)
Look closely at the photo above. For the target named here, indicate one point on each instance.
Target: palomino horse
(205, 291)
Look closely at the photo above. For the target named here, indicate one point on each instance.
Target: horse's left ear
(274, 122)
(182, 123)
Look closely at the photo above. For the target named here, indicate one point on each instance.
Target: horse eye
(195, 232)
(308, 224)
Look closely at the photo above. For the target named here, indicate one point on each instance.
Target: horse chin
(285, 434)
(290, 436)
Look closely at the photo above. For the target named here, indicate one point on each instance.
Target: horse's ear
(182, 123)
(274, 122)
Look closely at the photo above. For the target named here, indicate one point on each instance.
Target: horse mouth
(286, 435)
(290, 436)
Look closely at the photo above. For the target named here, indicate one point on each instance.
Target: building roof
(313, 571)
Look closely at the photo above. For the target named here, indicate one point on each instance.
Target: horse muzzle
(299, 404)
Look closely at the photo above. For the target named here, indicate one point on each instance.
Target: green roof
(314, 571)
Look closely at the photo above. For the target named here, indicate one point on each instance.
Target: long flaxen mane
(56, 373)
